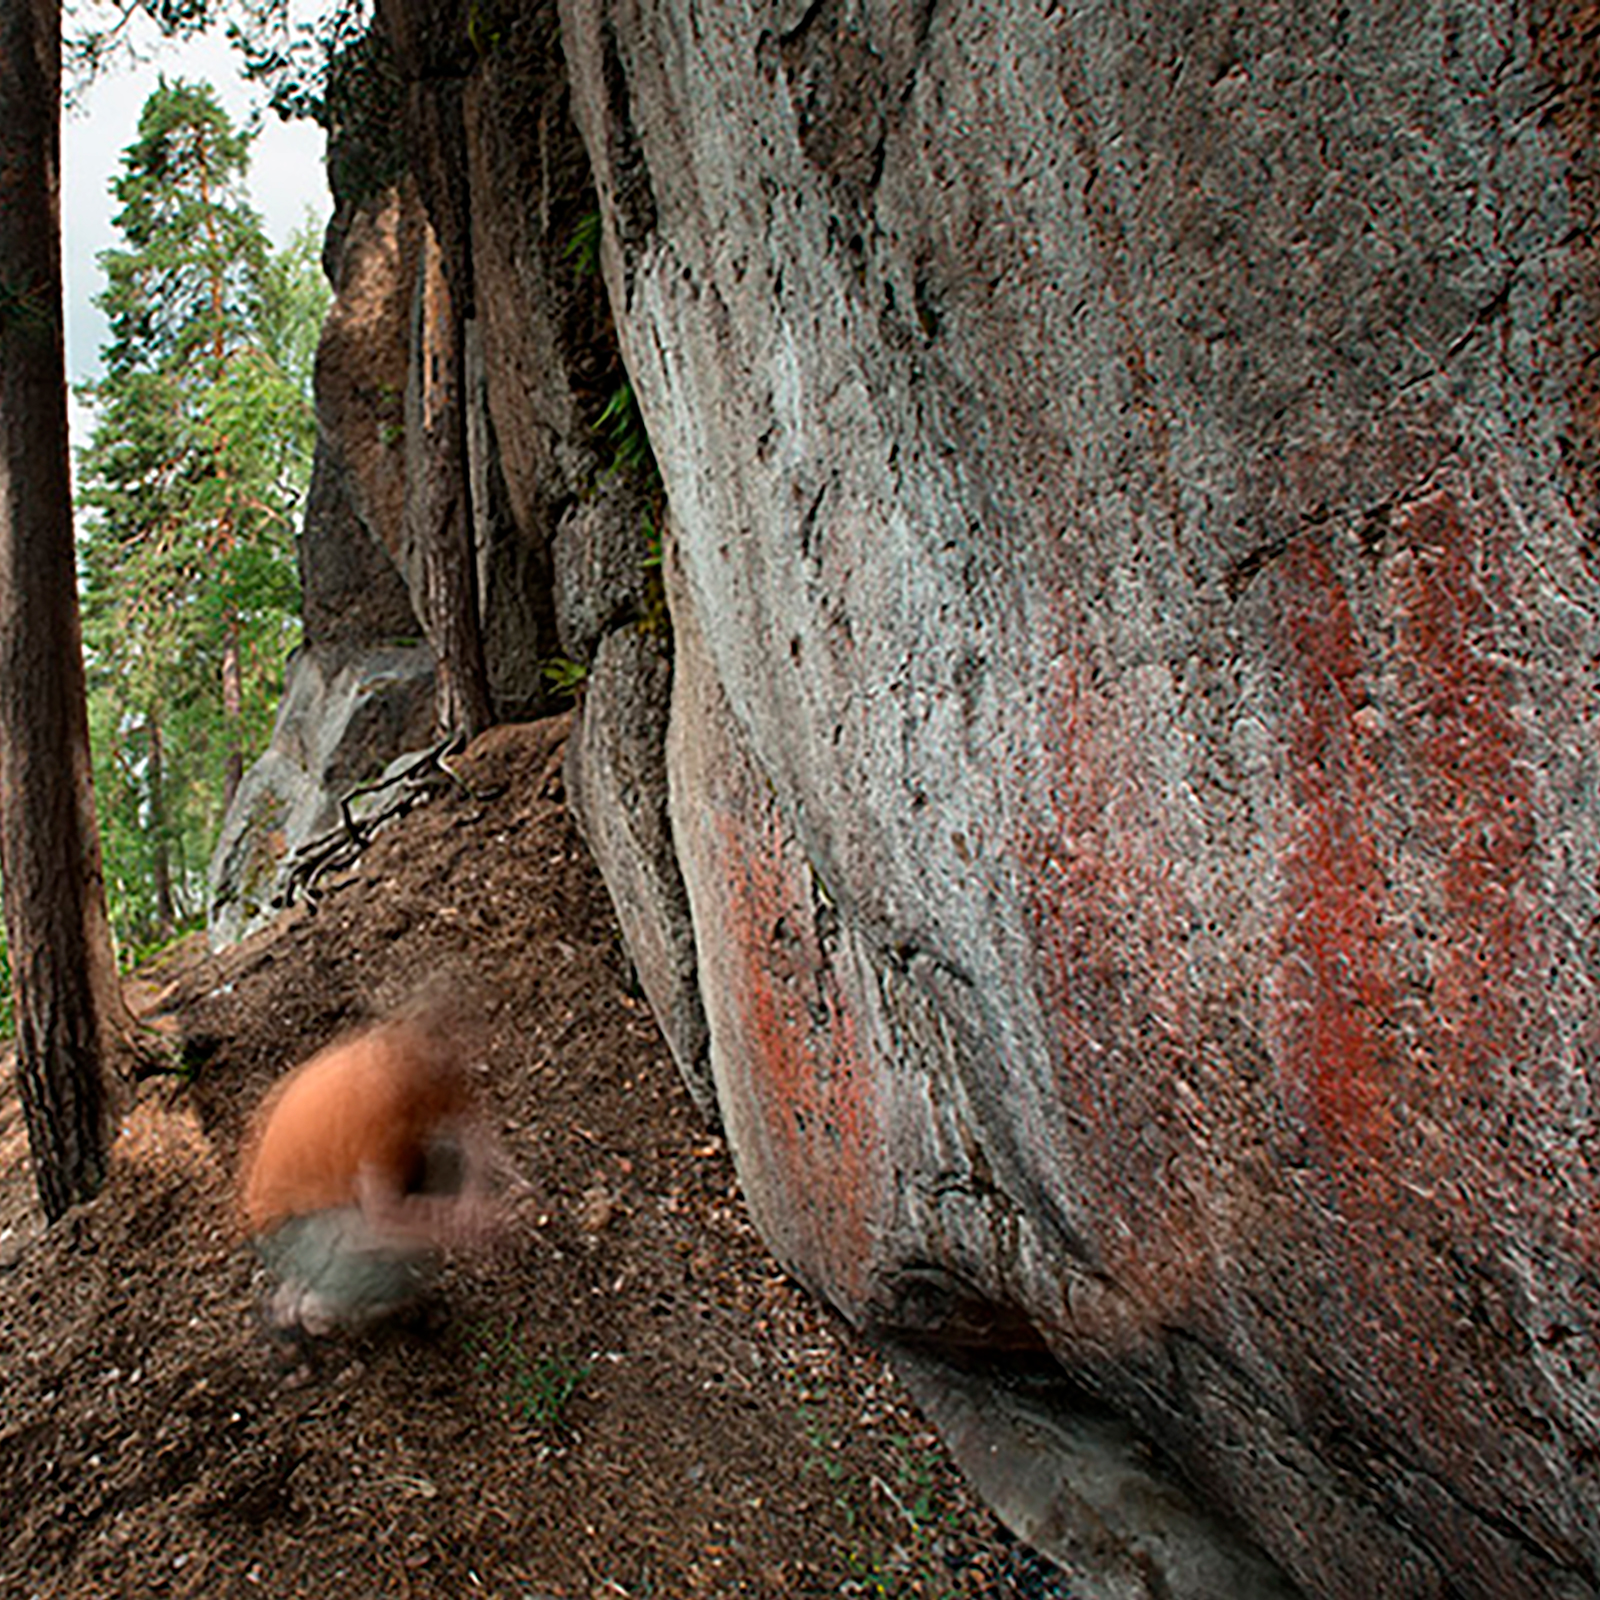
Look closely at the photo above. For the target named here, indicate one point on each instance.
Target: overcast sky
(286, 178)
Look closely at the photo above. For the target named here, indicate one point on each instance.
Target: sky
(286, 179)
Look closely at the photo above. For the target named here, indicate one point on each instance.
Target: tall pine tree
(198, 461)
(69, 1010)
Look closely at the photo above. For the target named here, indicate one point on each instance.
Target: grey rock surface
(1079, 1484)
(1131, 763)
(617, 788)
(340, 724)
(1132, 474)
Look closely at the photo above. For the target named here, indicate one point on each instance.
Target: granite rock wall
(1135, 771)
(1105, 802)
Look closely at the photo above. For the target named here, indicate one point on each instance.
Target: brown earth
(722, 1435)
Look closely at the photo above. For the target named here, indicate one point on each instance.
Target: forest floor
(627, 1397)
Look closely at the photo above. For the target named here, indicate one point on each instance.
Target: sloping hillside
(721, 1436)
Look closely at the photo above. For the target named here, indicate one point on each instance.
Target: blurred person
(365, 1165)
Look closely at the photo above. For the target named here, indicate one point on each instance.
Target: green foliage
(8, 1016)
(97, 35)
(298, 59)
(654, 616)
(583, 249)
(189, 491)
(486, 28)
(912, 1566)
(331, 65)
(194, 247)
(294, 300)
(623, 423)
(653, 553)
(536, 1389)
(337, 70)
(565, 676)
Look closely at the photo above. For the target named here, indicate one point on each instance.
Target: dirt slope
(722, 1435)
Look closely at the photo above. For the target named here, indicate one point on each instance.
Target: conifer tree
(69, 1012)
(191, 483)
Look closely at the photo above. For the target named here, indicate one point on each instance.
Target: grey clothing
(337, 1270)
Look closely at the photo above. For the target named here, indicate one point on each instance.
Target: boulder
(340, 724)
(1134, 756)
(617, 788)
(601, 580)
(1130, 766)
(363, 357)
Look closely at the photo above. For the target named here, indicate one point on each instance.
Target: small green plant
(485, 30)
(536, 1389)
(623, 423)
(655, 618)
(583, 249)
(391, 422)
(542, 1388)
(912, 1565)
(8, 1020)
(914, 1474)
(652, 542)
(565, 676)
(160, 950)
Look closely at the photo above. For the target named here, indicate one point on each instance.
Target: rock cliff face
(1112, 825)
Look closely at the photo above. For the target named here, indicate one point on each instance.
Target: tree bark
(68, 1000)
(439, 505)
(433, 55)
(160, 840)
(232, 714)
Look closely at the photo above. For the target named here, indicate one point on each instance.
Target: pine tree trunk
(67, 996)
(232, 671)
(232, 714)
(439, 508)
(161, 843)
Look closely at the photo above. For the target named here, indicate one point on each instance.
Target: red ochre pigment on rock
(1107, 919)
(813, 1098)
(1333, 998)
(1475, 822)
